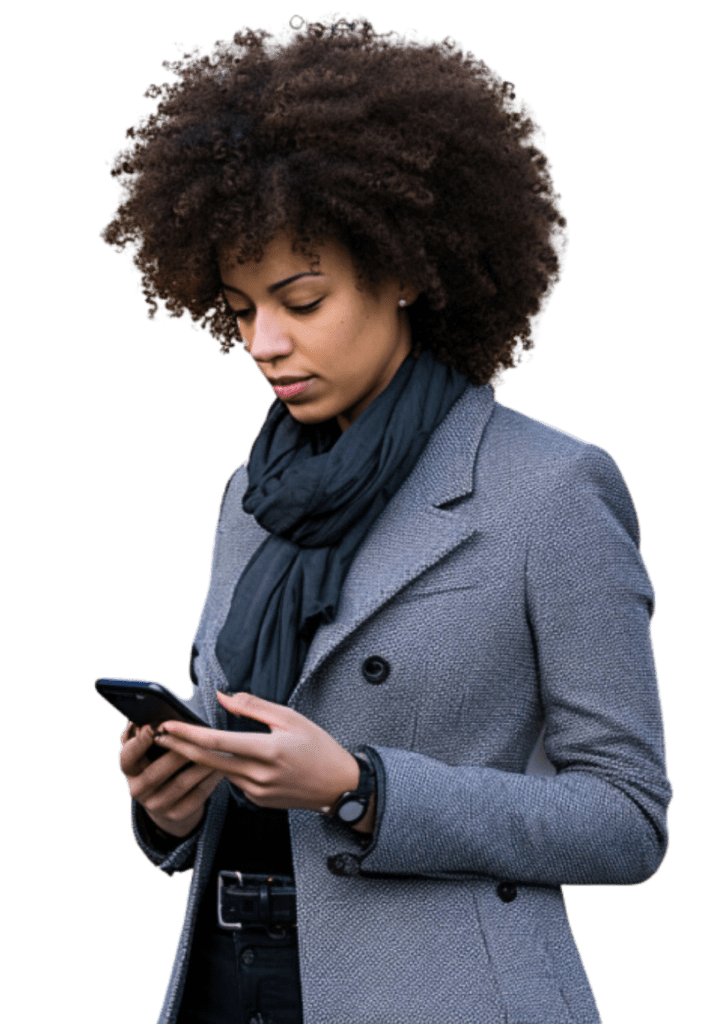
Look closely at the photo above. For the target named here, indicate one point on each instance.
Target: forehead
(280, 260)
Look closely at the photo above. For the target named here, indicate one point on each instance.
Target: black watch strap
(352, 805)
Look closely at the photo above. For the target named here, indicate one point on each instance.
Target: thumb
(251, 706)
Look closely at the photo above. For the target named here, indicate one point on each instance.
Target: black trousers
(246, 978)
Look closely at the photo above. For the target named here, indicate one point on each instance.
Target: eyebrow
(279, 284)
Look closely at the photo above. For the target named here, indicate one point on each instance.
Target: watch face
(351, 811)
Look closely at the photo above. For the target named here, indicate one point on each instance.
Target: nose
(266, 339)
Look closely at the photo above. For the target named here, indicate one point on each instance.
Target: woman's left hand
(297, 764)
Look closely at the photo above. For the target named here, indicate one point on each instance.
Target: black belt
(256, 901)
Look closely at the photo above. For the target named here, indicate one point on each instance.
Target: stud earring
(402, 302)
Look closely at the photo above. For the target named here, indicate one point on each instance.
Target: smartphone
(147, 704)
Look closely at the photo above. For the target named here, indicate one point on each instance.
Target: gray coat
(504, 587)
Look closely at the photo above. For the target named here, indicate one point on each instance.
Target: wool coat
(502, 598)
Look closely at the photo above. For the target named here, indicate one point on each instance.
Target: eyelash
(241, 313)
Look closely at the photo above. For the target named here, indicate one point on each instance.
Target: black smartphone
(147, 704)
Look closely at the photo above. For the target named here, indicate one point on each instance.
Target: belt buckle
(259, 891)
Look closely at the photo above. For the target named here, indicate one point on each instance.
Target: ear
(409, 294)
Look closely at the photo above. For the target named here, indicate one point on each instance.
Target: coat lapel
(414, 531)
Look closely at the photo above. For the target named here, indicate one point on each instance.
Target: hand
(172, 795)
(297, 764)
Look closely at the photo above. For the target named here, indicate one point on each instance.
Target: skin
(350, 343)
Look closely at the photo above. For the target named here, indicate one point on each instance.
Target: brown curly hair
(412, 156)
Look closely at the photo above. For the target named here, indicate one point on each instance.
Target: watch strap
(359, 796)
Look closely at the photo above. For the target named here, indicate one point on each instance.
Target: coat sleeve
(181, 855)
(602, 818)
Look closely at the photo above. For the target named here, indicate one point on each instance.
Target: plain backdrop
(120, 434)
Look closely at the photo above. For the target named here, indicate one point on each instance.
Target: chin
(304, 414)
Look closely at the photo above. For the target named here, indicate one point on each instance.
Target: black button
(507, 891)
(248, 957)
(345, 864)
(375, 669)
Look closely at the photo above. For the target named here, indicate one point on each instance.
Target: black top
(254, 840)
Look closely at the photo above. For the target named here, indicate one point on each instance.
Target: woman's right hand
(173, 798)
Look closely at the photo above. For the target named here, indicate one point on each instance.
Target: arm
(165, 850)
(601, 819)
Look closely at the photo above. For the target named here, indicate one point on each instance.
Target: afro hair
(411, 155)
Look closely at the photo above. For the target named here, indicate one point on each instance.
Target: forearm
(575, 828)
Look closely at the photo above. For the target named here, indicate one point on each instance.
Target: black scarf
(318, 491)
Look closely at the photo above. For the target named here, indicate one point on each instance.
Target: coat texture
(504, 588)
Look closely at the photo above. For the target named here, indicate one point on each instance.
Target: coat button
(248, 957)
(345, 864)
(507, 891)
(375, 669)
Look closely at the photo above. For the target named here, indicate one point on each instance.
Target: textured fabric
(317, 493)
(504, 588)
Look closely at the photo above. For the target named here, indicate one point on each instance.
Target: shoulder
(537, 452)
(233, 520)
(520, 437)
(550, 471)
(234, 490)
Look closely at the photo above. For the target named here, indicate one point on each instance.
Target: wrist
(366, 825)
(174, 831)
(356, 806)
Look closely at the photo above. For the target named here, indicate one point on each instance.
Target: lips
(288, 390)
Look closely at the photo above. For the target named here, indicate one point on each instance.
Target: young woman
(414, 589)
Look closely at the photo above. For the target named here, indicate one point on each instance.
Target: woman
(411, 584)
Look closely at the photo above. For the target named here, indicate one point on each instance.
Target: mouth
(286, 387)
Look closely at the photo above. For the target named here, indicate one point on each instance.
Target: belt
(256, 901)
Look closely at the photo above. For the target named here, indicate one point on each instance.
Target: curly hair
(412, 156)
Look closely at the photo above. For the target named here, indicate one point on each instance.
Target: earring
(402, 302)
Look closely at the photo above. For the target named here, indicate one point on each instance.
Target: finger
(192, 800)
(225, 761)
(177, 788)
(277, 716)
(129, 733)
(189, 738)
(200, 735)
(156, 775)
(134, 749)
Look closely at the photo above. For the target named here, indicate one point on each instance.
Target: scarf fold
(317, 491)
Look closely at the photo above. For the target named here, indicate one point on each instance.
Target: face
(326, 347)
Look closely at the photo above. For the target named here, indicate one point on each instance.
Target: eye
(306, 309)
(242, 314)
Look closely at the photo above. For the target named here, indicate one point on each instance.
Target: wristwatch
(352, 805)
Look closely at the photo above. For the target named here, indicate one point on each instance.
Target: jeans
(246, 978)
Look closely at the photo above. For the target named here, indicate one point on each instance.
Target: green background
(120, 435)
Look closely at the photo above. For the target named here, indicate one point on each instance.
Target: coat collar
(414, 531)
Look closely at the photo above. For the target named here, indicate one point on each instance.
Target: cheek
(338, 343)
